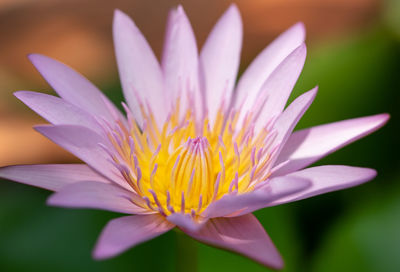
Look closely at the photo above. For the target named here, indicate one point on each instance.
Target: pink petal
(244, 235)
(84, 143)
(97, 195)
(266, 62)
(326, 179)
(50, 176)
(125, 232)
(139, 70)
(180, 61)
(307, 146)
(73, 87)
(57, 111)
(277, 88)
(251, 86)
(185, 221)
(220, 59)
(288, 120)
(234, 205)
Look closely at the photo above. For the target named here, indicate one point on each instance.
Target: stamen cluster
(188, 164)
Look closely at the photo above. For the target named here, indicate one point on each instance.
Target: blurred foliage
(366, 238)
(352, 230)
(392, 15)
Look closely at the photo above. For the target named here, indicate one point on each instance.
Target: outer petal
(244, 235)
(57, 111)
(234, 205)
(306, 146)
(266, 62)
(220, 59)
(139, 70)
(50, 176)
(277, 88)
(328, 178)
(73, 87)
(180, 62)
(122, 233)
(288, 120)
(83, 143)
(96, 195)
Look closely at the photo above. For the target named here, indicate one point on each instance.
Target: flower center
(188, 164)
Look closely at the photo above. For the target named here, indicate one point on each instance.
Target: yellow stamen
(180, 169)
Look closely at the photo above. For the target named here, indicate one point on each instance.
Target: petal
(180, 61)
(125, 232)
(73, 87)
(277, 88)
(139, 70)
(328, 178)
(57, 111)
(220, 59)
(244, 235)
(50, 176)
(97, 195)
(266, 62)
(84, 143)
(235, 205)
(307, 146)
(185, 221)
(288, 120)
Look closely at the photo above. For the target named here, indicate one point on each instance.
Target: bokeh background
(354, 56)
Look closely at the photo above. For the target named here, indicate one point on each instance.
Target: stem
(186, 257)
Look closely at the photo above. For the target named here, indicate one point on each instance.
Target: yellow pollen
(181, 168)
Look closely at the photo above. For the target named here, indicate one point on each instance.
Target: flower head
(192, 150)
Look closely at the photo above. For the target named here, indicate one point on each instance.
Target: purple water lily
(193, 150)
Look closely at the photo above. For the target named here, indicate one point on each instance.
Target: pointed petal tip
(313, 92)
(298, 29)
(377, 120)
(119, 14)
(383, 118)
(233, 10)
(101, 253)
(300, 26)
(38, 59)
(180, 9)
(34, 56)
(279, 264)
(368, 173)
(21, 94)
(122, 20)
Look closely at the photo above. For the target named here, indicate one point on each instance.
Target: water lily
(192, 150)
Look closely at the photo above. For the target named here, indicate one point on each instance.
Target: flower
(193, 150)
